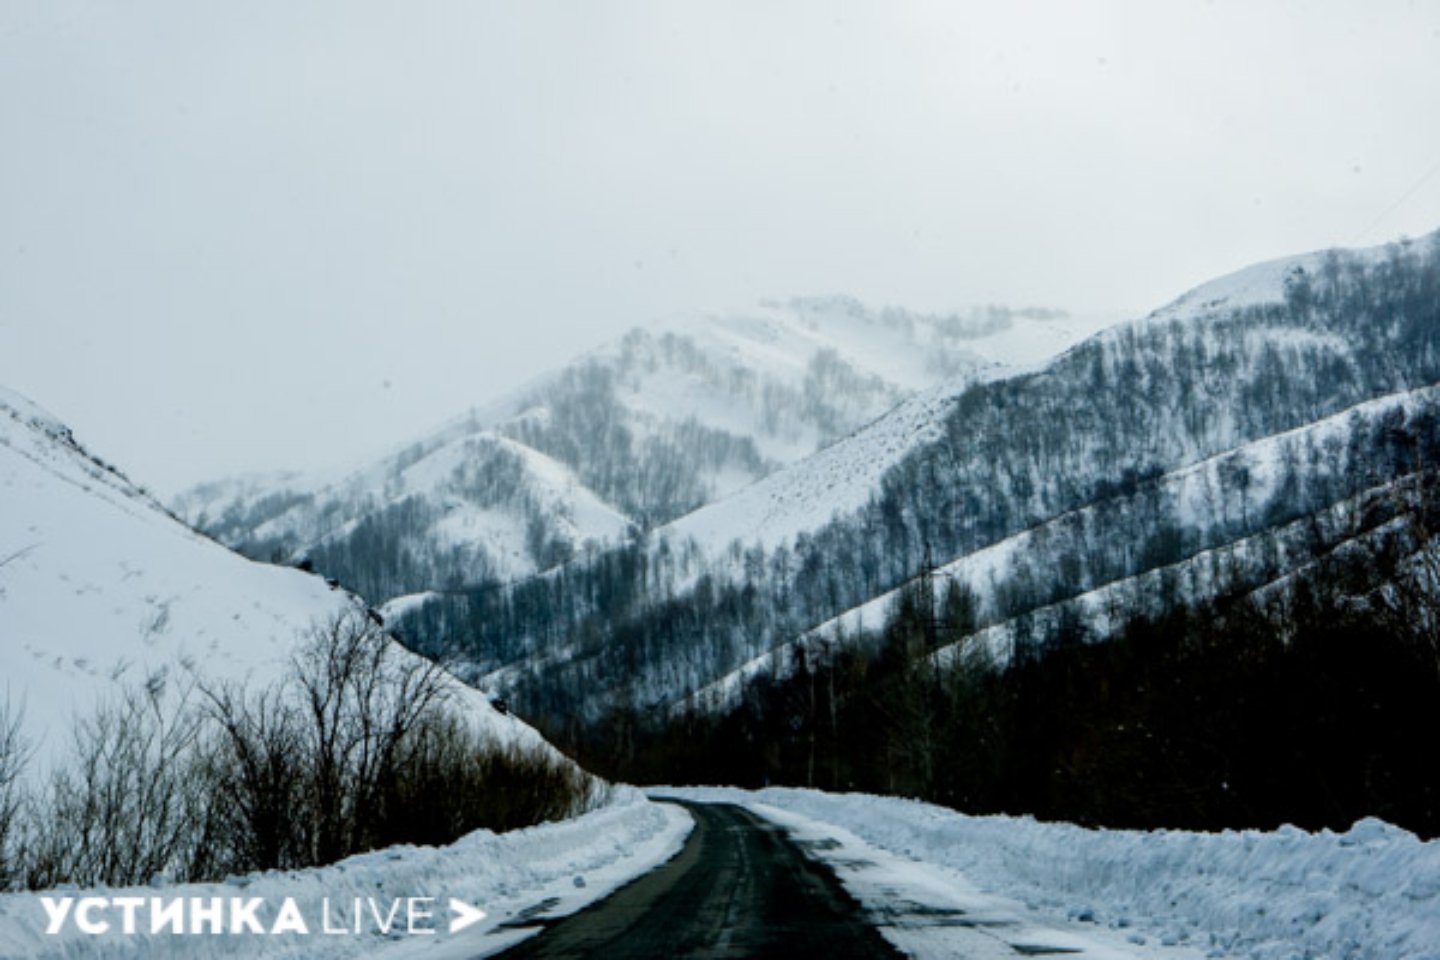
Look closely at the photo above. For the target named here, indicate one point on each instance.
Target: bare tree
(1409, 601)
(358, 747)
(14, 752)
(1397, 533)
(258, 779)
(355, 747)
(126, 810)
(362, 697)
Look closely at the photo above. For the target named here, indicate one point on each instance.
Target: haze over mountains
(657, 552)
(1219, 443)
(618, 442)
(656, 523)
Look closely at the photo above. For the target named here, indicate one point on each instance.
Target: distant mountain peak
(645, 429)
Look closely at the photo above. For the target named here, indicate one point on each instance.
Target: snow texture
(1370, 893)
(541, 872)
(102, 589)
(836, 481)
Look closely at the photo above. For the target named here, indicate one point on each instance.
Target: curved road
(738, 888)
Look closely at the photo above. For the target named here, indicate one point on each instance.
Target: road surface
(739, 888)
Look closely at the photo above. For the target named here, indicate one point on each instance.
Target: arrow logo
(464, 915)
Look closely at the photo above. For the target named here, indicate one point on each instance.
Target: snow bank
(550, 870)
(1371, 893)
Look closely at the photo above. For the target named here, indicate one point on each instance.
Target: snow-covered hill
(837, 479)
(1204, 568)
(621, 440)
(102, 589)
(840, 478)
(1252, 403)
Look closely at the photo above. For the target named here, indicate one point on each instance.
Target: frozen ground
(550, 870)
(939, 878)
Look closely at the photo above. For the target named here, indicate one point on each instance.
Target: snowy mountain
(621, 441)
(1217, 444)
(102, 589)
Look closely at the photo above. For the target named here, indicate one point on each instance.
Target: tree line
(1311, 700)
(1127, 454)
(359, 746)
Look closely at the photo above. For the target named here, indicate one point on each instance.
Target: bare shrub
(14, 753)
(300, 770)
(257, 778)
(457, 780)
(362, 697)
(358, 746)
(129, 807)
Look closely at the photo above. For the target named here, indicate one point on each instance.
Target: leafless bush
(360, 747)
(357, 747)
(302, 770)
(256, 774)
(362, 699)
(457, 780)
(130, 806)
(13, 755)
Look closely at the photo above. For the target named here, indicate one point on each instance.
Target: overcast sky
(249, 235)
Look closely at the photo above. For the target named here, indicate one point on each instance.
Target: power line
(1414, 189)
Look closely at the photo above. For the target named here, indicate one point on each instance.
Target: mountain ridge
(652, 425)
(1255, 354)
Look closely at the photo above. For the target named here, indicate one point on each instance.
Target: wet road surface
(739, 888)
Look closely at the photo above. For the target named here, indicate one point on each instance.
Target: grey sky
(250, 235)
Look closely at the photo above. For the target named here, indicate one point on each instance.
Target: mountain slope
(102, 589)
(622, 440)
(1225, 416)
(1103, 593)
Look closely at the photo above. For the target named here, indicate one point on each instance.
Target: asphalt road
(738, 888)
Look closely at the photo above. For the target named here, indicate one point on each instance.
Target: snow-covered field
(943, 880)
(550, 870)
